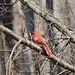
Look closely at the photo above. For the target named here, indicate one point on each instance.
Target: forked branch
(36, 48)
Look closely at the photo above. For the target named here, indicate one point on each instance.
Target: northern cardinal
(40, 40)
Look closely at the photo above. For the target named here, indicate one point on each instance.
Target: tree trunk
(28, 31)
(2, 67)
(17, 28)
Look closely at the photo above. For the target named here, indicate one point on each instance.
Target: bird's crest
(35, 32)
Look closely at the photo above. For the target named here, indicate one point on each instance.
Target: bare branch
(43, 64)
(37, 48)
(49, 17)
(63, 72)
(70, 9)
(9, 60)
(19, 52)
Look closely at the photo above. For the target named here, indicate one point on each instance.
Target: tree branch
(49, 17)
(37, 48)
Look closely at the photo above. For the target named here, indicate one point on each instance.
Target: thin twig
(62, 72)
(11, 55)
(43, 64)
(65, 45)
(57, 39)
(39, 72)
(71, 9)
(55, 66)
(20, 52)
(10, 67)
(60, 53)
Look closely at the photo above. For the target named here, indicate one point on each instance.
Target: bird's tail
(48, 51)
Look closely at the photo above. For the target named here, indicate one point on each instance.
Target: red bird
(40, 40)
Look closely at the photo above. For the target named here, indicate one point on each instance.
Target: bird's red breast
(38, 39)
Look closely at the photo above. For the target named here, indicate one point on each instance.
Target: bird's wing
(39, 40)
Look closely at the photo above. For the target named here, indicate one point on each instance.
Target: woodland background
(54, 20)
